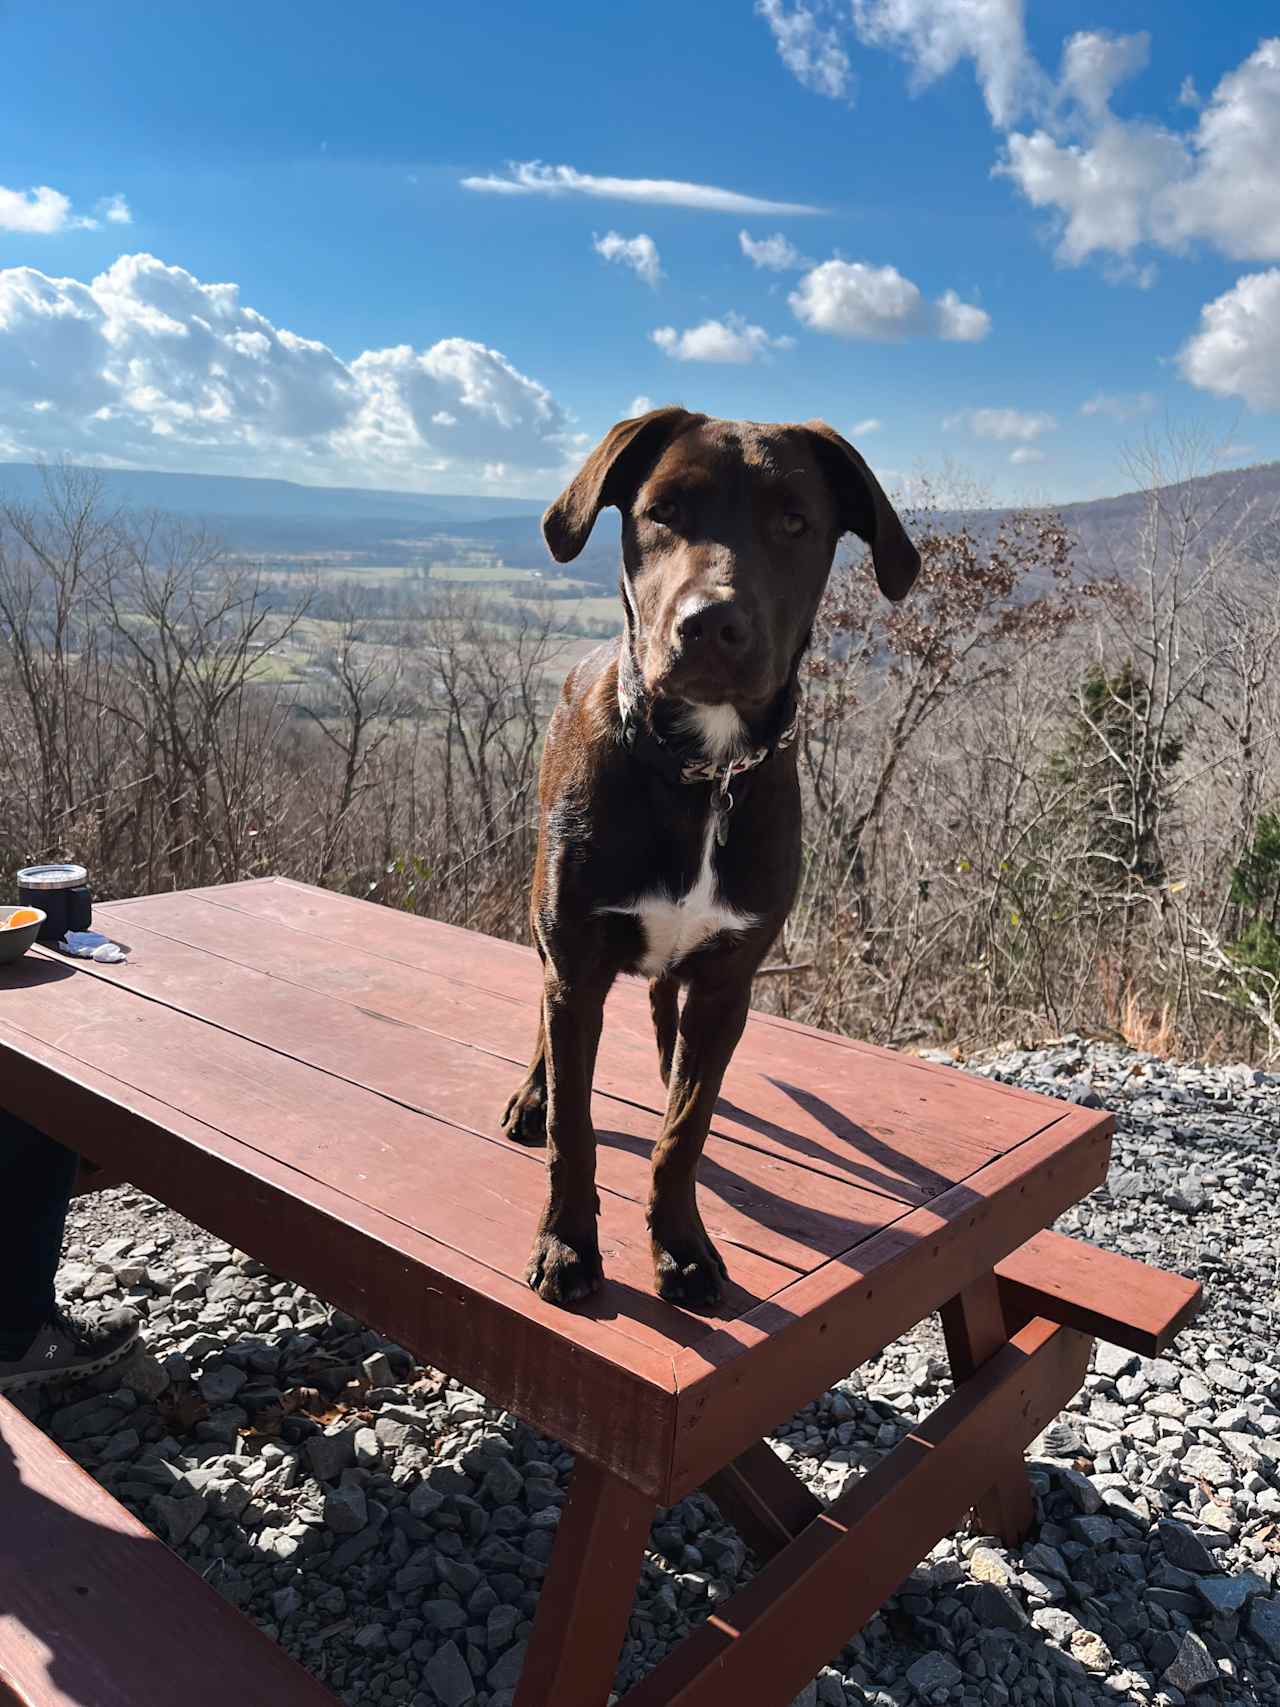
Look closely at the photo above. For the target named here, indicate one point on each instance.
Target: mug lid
(52, 876)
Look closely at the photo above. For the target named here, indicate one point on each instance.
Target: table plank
(93, 1609)
(788, 1090)
(735, 1385)
(301, 1047)
(1113, 1297)
(764, 1642)
(761, 1203)
(576, 1376)
(481, 1199)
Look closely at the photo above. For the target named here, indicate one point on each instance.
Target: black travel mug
(62, 893)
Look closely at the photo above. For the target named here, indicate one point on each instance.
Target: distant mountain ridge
(248, 498)
(1107, 526)
(282, 517)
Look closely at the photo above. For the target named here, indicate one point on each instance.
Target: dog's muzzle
(712, 654)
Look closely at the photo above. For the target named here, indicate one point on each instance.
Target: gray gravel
(391, 1529)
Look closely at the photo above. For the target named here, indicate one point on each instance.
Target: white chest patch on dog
(721, 732)
(672, 928)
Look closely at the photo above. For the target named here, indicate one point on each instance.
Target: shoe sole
(68, 1372)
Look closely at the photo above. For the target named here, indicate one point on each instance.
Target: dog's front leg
(565, 1262)
(687, 1267)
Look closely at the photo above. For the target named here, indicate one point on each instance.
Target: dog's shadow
(894, 1170)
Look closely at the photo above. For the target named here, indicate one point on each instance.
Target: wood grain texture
(272, 992)
(736, 1384)
(577, 1377)
(476, 1197)
(95, 1612)
(919, 1126)
(587, 1593)
(766, 1642)
(314, 1077)
(764, 1501)
(318, 1079)
(973, 1325)
(1112, 1297)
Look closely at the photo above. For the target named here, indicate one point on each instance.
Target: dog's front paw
(524, 1120)
(688, 1269)
(564, 1272)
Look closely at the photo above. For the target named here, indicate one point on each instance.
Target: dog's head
(729, 529)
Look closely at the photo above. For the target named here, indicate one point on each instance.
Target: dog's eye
(794, 523)
(663, 512)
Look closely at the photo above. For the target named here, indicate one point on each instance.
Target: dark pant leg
(36, 1180)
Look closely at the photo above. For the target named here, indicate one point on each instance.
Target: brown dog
(669, 838)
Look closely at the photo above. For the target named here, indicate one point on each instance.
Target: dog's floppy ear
(610, 475)
(866, 511)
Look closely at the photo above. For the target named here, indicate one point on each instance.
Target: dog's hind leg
(525, 1117)
(687, 1267)
(664, 1006)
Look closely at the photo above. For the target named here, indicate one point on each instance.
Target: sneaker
(66, 1349)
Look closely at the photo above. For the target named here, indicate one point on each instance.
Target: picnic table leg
(587, 1593)
(974, 1328)
(89, 1178)
(764, 1501)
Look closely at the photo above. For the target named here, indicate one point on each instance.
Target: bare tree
(356, 710)
(54, 560)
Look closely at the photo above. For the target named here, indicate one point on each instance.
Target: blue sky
(440, 248)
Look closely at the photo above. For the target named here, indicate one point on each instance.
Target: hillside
(281, 518)
(251, 511)
(1106, 528)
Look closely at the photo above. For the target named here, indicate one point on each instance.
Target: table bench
(318, 1080)
(95, 1612)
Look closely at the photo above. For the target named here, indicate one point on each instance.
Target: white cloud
(860, 429)
(146, 364)
(1111, 184)
(46, 212)
(934, 36)
(1232, 197)
(1236, 352)
(640, 405)
(1001, 423)
(1105, 194)
(732, 339)
(532, 178)
(851, 299)
(1128, 182)
(1026, 453)
(640, 253)
(777, 253)
(1094, 65)
(960, 322)
(1120, 406)
(1129, 272)
(810, 50)
(41, 212)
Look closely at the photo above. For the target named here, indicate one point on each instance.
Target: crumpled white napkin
(91, 945)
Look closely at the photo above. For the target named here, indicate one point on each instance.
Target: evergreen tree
(1255, 890)
(1117, 765)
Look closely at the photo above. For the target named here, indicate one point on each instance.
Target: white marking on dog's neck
(719, 730)
(673, 928)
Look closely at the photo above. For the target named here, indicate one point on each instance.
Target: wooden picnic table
(318, 1079)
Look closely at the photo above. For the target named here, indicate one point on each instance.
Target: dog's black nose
(718, 626)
